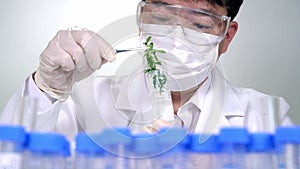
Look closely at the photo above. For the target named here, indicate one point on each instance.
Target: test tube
(116, 142)
(270, 114)
(45, 150)
(172, 145)
(233, 142)
(12, 140)
(145, 152)
(260, 153)
(287, 142)
(68, 155)
(88, 153)
(204, 154)
(27, 113)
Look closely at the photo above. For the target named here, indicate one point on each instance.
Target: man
(197, 30)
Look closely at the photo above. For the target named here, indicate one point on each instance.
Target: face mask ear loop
(182, 33)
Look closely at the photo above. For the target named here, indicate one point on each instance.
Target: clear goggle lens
(175, 15)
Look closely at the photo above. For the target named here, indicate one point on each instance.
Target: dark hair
(232, 6)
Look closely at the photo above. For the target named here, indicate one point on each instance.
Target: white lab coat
(93, 101)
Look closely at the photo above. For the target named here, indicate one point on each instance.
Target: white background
(264, 55)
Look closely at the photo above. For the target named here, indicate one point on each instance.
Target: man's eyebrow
(210, 11)
(160, 2)
(206, 10)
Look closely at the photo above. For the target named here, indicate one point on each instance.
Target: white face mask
(190, 56)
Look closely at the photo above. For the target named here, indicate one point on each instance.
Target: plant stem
(159, 79)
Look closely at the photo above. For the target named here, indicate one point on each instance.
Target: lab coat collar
(221, 102)
(235, 103)
(198, 98)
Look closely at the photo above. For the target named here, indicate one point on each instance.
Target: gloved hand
(69, 57)
(156, 125)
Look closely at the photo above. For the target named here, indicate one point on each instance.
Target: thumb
(157, 124)
(106, 50)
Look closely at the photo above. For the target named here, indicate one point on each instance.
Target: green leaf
(154, 81)
(156, 58)
(159, 79)
(148, 40)
(160, 51)
(151, 45)
(157, 63)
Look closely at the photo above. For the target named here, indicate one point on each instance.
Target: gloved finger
(65, 41)
(106, 50)
(54, 57)
(157, 124)
(149, 129)
(94, 46)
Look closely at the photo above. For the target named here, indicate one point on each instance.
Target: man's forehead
(195, 4)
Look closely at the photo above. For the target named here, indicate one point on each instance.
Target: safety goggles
(187, 18)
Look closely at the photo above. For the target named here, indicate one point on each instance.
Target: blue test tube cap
(261, 142)
(88, 143)
(209, 145)
(46, 142)
(234, 135)
(172, 135)
(287, 134)
(172, 138)
(67, 148)
(115, 136)
(145, 143)
(15, 134)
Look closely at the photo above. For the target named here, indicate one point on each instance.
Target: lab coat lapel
(220, 103)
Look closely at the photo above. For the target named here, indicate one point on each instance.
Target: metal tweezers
(130, 49)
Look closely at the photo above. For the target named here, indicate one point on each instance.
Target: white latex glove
(156, 125)
(69, 57)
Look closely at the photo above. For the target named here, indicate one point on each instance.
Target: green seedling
(159, 78)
